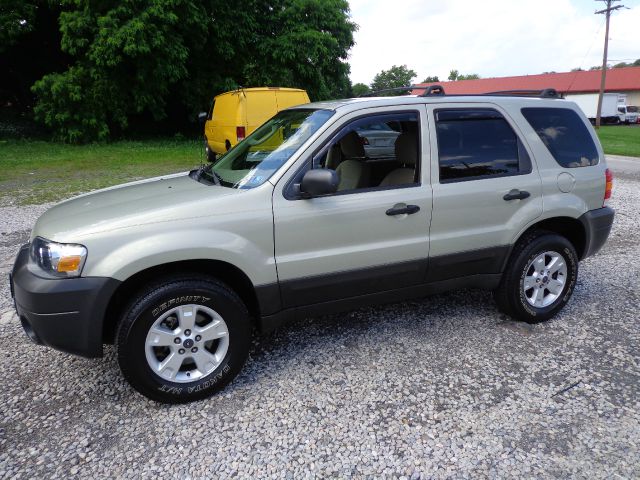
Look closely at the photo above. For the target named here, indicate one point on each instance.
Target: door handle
(407, 209)
(516, 194)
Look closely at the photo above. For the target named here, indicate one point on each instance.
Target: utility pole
(607, 11)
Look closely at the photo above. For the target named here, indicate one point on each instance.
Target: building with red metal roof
(619, 80)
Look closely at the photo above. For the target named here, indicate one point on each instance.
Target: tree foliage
(396, 76)
(147, 59)
(454, 75)
(29, 48)
(302, 43)
(359, 89)
(16, 20)
(636, 63)
(431, 79)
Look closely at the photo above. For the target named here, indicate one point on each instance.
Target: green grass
(33, 172)
(620, 140)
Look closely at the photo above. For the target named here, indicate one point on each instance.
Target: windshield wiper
(197, 174)
(217, 179)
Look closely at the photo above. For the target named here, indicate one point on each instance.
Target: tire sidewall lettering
(172, 388)
(146, 313)
(173, 302)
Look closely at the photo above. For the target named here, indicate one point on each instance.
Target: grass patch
(36, 171)
(620, 140)
(33, 172)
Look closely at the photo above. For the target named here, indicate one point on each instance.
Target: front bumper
(597, 226)
(66, 314)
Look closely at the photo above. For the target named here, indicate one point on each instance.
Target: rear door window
(477, 143)
(564, 134)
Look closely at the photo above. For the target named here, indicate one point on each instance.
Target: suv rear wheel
(539, 279)
(183, 339)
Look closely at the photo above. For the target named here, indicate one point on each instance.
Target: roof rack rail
(546, 93)
(395, 89)
(433, 90)
(438, 90)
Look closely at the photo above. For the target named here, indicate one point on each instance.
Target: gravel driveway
(437, 388)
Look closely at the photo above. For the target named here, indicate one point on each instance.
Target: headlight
(62, 260)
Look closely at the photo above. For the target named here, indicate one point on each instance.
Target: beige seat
(406, 154)
(348, 162)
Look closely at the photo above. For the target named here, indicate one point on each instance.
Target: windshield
(252, 162)
(632, 109)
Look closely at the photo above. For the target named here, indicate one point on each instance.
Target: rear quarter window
(564, 134)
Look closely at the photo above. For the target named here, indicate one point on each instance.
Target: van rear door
(291, 98)
(260, 106)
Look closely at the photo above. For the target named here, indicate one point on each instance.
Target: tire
(210, 154)
(213, 329)
(530, 293)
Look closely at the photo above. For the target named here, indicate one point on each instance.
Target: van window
(252, 161)
(564, 134)
(477, 143)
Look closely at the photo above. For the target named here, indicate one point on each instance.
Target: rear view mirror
(202, 118)
(319, 182)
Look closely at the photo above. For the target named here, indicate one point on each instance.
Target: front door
(373, 234)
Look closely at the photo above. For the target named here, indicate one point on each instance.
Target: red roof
(618, 80)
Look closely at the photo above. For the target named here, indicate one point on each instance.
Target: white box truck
(613, 108)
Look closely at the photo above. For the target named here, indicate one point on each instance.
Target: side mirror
(319, 182)
(202, 117)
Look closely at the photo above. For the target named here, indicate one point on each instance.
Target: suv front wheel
(183, 339)
(539, 278)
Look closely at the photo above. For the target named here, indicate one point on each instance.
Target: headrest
(351, 145)
(407, 149)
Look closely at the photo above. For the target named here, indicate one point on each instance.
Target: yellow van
(234, 115)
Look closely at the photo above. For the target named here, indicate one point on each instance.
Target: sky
(493, 38)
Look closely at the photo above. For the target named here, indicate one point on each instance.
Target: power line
(607, 11)
(584, 58)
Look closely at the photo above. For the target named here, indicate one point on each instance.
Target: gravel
(443, 387)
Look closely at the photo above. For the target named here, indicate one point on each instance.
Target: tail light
(240, 133)
(608, 175)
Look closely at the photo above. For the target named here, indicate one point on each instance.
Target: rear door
(261, 106)
(486, 189)
(290, 98)
(226, 115)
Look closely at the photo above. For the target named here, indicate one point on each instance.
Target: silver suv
(501, 192)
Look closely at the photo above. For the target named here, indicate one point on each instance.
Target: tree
(454, 75)
(302, 43)
(395, 77)
(148, 59)
(431, 79)
(625, 64)
(29, 48)
(16, 19)
(360, 89)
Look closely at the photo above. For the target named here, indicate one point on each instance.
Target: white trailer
(588, 103)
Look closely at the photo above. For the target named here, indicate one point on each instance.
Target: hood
(159, 199)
